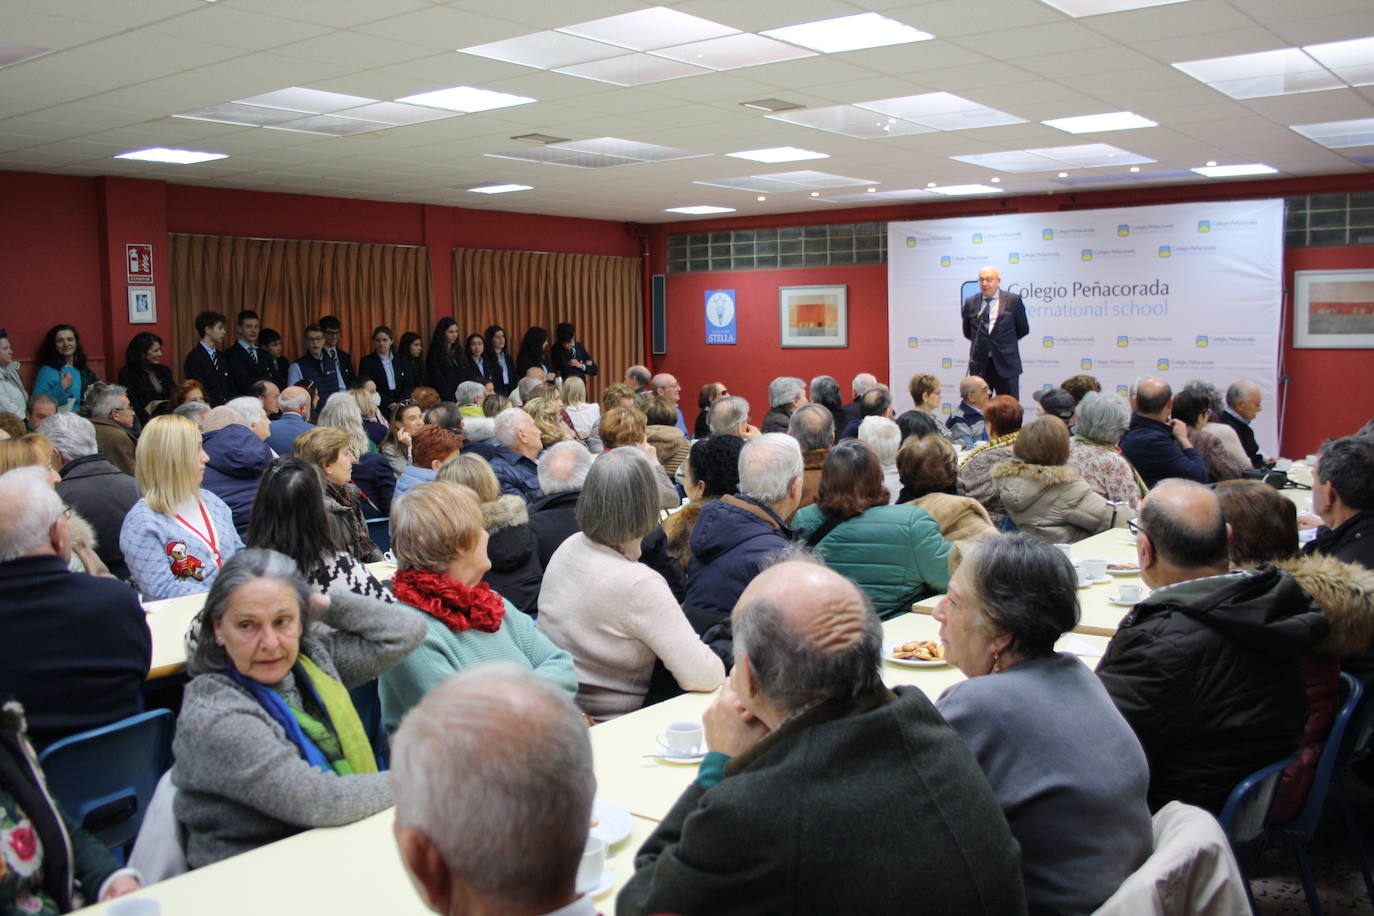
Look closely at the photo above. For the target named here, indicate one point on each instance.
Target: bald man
(824, 792)
(994, 323)
(1157, 445)
(1206, 669)
(1243, 404)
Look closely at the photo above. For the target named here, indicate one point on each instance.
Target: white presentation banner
(1179, 291)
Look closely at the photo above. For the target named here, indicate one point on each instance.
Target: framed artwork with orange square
(814, 316)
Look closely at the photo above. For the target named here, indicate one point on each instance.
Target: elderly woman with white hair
(268, 743)
(469, 397)
(372, 474)
(614, 614)
(441, 558)
(1102, 420)
(884, 437)
(785, 394)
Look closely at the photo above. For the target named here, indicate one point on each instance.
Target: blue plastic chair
(1341, 741)
(367, 702)
(379, 529)
(1359, 735)
(1245, 816)
(105, 777)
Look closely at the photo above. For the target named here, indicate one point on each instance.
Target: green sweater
(443, 652)
(896, 554)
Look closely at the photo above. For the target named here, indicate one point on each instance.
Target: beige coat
(1051, 502)
(812, 462)
(962, 521)
(670, 445)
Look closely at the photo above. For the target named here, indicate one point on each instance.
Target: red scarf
(459, 607)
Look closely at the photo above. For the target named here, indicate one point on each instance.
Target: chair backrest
(1340, 742)
(104, 778)
(1191, 870)
(379, 529)
(1245, 816)
(1360, 731)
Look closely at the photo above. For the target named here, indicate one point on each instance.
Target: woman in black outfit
(441, 365)
(374, 366)
(534, 351)
(146, 379)
(500, 365)
(411, 349)
(472, 364)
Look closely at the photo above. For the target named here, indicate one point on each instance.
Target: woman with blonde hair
(584, 417)
(369, 401)
(34, 450)
(512, 547)
(176, 538)
(372, 473)
(441, 559)
(546, 415)
(331, 449)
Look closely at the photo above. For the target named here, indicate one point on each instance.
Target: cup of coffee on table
(592, 865)
(1095, 568)
(1128, 592)
(682, 739)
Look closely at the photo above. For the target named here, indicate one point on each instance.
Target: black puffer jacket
(1207, 673)
(514, 553)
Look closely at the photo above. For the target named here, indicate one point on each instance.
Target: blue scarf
(281, 713)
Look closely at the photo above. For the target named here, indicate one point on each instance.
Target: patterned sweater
(166, 560)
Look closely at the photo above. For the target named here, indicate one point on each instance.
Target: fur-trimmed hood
(1345, 592)
(81, 532)
(1043, 475)
(507, 511)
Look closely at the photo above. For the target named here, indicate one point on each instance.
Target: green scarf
(346, 745)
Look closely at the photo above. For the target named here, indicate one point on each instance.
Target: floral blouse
(1107, 471)
(21, 862)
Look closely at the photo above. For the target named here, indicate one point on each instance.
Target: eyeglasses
(1134, 525)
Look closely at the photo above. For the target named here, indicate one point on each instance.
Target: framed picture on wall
(1333, 309)
(813, 316)
(142, 305)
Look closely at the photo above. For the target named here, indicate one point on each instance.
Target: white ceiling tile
(1209, 44)
(226, 24)
(123, 15)
(1327, 28)
(1087, 63)
(1173, 21)
(355, 50)
(442, 27)
(968, 17)
(341, 14)
(32, 27)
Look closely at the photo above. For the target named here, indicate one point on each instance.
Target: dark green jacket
(871, 805)
(896, 554)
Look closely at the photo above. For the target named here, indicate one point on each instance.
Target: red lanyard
(209, 537)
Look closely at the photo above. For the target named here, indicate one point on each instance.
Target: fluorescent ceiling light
(308, 101)
(330, 126)
(397, 114)
(849, 33)
(1054, 158)
(783, 182)
(941, 111)
(963, 190)
(699, 210)
(500, 188)
(597, 153)
(1286, 71)
(1235, 171)
(466, 99)
(632, 70)
(1352, 61)
(852, 121)
(174, 156)
(1092, 124)
(545, 50)
(1081, 8)
(1339, 134)
(237, 113)
(13, 54)
(1011, 161)
(649, 29)
(734, 51)
(778, 154)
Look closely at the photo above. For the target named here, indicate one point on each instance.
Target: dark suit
(244, 370)
(218, 386)
(562, 361)
(444, 374)
(1246, 435)
(493, 371)
(370, 366)
(996, 355)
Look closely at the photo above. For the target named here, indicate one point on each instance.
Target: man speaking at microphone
(994, 323)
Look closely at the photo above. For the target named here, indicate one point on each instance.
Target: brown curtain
(601, 295)
(292, 283)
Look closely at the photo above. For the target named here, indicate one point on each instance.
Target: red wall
(1315, 407)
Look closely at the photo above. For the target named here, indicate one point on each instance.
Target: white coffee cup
(1095, 568)
(1065, 549)
(1128, 592)
(1283, 464)
(682, 739)
(1083, 577)
(593, 864)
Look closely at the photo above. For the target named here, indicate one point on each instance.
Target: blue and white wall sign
(720, 316)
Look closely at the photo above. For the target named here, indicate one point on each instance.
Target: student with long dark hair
(500, 365)
(442, 362)
(411, 349)
(389, 370)
(534, 353)
(472, 366)
(62, 372)
(144, 376)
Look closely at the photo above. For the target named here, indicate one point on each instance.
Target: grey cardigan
(241, 784)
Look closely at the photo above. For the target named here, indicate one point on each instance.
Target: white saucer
(1123, 572)
(1113, 599)
(603, 884)
(668, 756)
(613, 823)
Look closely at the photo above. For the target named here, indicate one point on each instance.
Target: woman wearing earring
(1069, 772)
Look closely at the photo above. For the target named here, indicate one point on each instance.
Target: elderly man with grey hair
(563, 469)
(195, 411)
(1103, 418)
(517, 446)
(884, 437)
(812, 759)
(294, 402)
(785, 394)
(113, 418)
(813, 426)
(667, 386)
(858, 387)
(1243, 403)
(76, 649)
(735, 534)
(506, 736)
(100, 493)
(729, 416)
(826, 392)
(253, 413)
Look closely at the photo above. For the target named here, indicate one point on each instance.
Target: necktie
(214, 360)
(992, 318)
(253, 352)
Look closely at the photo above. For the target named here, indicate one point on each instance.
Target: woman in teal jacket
(895, 553)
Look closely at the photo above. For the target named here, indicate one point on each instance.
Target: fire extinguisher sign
(139, 262)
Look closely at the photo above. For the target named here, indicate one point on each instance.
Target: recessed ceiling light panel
(397, 113)
(649, 29)
(1011, 161)
(852, 121)
(778, 154)
(783, 182)
(632, 70)
(849, 33)
(1236, 171)
(1339, 134)
(330, 126)
(545, 50)
(941, 111)
(467, 99)
(173, 156)
(236, 113)
(965, 190)
(1081, 8)
(772, 105)
(1352, 61)
(308, 101)
(1090, 155)
(1285, 71)
(701, 210)
(734, 51)
(1092, 124)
